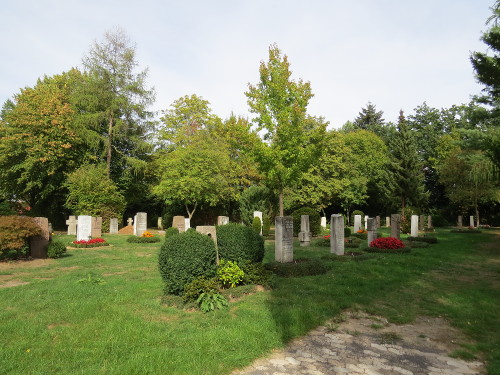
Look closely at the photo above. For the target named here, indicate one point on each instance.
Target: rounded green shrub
(198, 286)
(266, 225)
(314, 220)
(185, 257)
(347, 232)
(171, 231)
(239, 243)
(256, 224)
(56, 249)
(255, 273)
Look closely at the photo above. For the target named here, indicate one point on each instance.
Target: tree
(115, 101)
(406, 166)
(369, 118)
(41, 142)
(280, 104)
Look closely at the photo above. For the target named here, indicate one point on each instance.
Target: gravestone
(39, 244)
(387, 221)
(71, 223)
(113, 225)
(187, 223)
(179, 222)
(395, 225)
(140, 223)
(305, 231)
(222, 220)
(259, 215)
(421, 223)
(372, 230)
(323, 221)
(357, 223)
(414, 226)
(96, 227)
(337, 234)
(160, 223)
(471, 221)
(283, 251)
(377, 220)
(130, 221)
(209, 230)
(429, 222)
(84, 228)
(366, 222)
(51, 230)
(459, 221)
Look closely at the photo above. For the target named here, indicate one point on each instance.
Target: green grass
(58, 325)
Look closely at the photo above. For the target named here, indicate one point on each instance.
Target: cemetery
(193, 244)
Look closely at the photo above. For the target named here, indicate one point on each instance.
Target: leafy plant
(171, 231)
(255, 273)
(210, 301)
(92, 279)
(256, 224)
(198, 286)
(229, 273)
(15, 231)
(56, 249)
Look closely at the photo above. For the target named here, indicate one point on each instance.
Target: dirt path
(369, 345)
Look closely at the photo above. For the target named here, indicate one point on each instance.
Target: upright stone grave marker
(84, 228)
(357, 223)
(366, 222)
(113, 225)
(222, 220)
(209, 230)
(372, 230)
(305, 231)
(130, 221)
(471, 221)
(179, 222)
(71, 223)
(187, 223)
(51, 229)
(421, 223)
(387, 221)
(395, 225)
(141, 223)
(377, 220)
(459, 221)
(40, 244)
(96, 227)
(259, 215)
(414, 226)
(283, 251)
(429, 222)
(337, 234)
(160, 223)
(323, 222)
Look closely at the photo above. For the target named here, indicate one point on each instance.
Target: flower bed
(94, 242)
(387, 245)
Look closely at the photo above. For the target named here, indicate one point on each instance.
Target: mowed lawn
(100, 311)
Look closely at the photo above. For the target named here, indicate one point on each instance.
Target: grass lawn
(100, 311)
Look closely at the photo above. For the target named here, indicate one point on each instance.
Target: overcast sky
(394, 53)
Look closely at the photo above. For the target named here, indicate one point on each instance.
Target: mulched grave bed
(401, 250)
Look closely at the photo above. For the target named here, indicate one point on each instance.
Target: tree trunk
(191, 213)
(477, 216)
(110, 143)
(281, 202)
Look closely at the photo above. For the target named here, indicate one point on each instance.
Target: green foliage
(414, 244)
(314, 220)
(92, 279)
(266, 225)
(210, 301)
(439, 221)
(401, 250)
(91, 192)
(361, 236)
(255, 198)
(56, 249)
(406, 215)
(15, 231)
(256, 225)
(5, 209)
(427, 239)
(255, 273)
(298, 268)
(347, 232)
(198, 286)
(171, 232)
(239, 243)
(185, 257)
(136, 239)
(229, 273)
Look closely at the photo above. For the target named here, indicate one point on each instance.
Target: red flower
(89, 242)
(387, 243)
(326, 237)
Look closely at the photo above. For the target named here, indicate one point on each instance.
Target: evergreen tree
(407, 168)
(369, 118)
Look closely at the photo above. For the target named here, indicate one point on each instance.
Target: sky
(396, 54)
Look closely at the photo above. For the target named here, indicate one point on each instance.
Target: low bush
(135, 239)
(15, 232)
(266, 226)
(171, 231)
(298, 268)
(210, 301)
(239, 243)
(185, 257)
(229, 273)
(255, 273)
(347, 232)
(362, 235)
(314, 220)
(323, 241)
(423, 239)
(256, 224)
(400, 250)
(198, 286)
(56, 249)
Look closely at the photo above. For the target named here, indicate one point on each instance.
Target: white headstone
(366, 222)
(222, 220)
(160, 223)
(113, 225)
(323, 221)
(140, 223)
(357, 223)
(71, 223)
(187, 223)
(414, 226)
(84, 228)
(130, 221)
(387, 221)
(259, 215)
(337, 234)
(471, 221)
(459, 221)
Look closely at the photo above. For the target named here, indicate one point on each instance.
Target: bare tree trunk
(191, 213)
(109, 146)
(281, 202)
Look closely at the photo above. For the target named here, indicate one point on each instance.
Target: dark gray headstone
(305, 231)
(395, 225)
(283, 251)
(337, 234)
(371, 226)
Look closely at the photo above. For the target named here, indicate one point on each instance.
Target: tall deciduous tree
(115, 101)
(280, 105)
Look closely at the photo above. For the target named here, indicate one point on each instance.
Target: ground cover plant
(100, 310)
